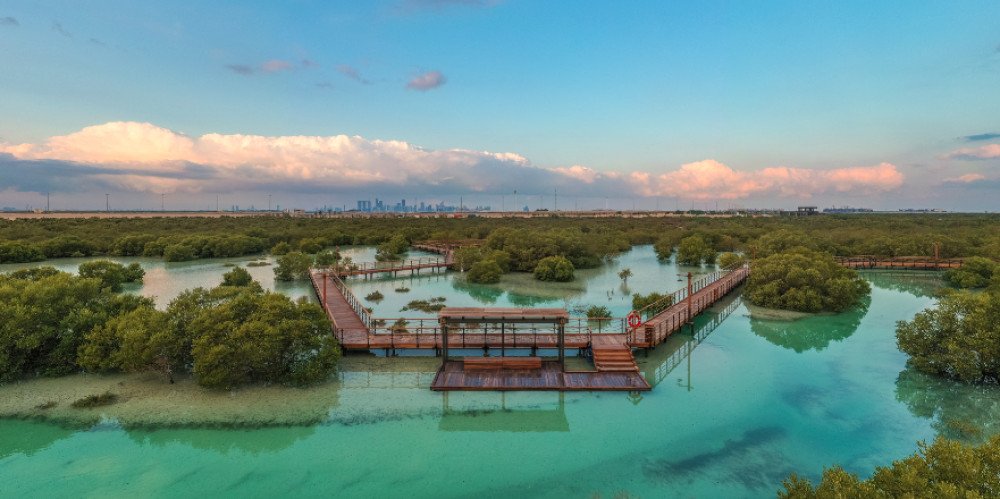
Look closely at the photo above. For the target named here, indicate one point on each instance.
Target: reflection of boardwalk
(684, 351)
(549, 377)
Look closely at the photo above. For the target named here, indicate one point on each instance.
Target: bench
(492, 363)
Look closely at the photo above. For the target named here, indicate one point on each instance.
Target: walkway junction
(484, 348)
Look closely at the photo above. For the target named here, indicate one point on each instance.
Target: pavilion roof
(529, 315)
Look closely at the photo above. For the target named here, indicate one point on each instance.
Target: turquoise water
(738, 404)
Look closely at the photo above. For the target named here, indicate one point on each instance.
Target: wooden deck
(453, 376)
(899, 263)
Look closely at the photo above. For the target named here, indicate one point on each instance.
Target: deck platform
(453, 377)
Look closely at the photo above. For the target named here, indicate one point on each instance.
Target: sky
(644, 104)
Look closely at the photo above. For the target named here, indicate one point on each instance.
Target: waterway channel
(738, 404)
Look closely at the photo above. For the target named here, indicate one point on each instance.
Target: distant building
(807, 210)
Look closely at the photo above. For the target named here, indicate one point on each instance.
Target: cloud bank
(143, 157)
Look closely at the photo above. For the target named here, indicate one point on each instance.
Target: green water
(738, 404)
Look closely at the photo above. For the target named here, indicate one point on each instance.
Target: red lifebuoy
(634, 320)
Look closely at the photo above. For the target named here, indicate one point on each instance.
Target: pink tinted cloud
(988, 151)
(710, 179)
(426, 81)
(968, 178)
(143, 156)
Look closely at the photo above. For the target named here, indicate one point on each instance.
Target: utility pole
(107, 202)
(555, 200)
(47, 202)
(161, 202)
(216, 202)
(268, 202)
(515, 199)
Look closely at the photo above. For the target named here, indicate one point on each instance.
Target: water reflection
(814, 332)
(678, 348)
(487, 295)
(503, 412)
(225, 440)
(916, 283)
(957, 410)
(28, 437)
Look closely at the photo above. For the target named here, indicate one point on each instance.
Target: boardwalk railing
(705, 291)
(899, 262)
(352, 300)
(388, 267)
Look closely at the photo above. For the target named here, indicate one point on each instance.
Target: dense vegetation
(959, 339)
(804, 281)
(945, 468)
(975, 272)
(112, 275)
(53, 323)
(554, 268)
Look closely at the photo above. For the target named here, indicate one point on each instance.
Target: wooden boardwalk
(899, 263)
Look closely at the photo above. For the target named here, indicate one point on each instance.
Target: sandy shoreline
(147, 400)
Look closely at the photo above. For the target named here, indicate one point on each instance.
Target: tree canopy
(958, 339)
(293, 266)
(554, 268)
(945, 468)
(975, 272)
(804, 281)
(695, 250)
(485, 272)
(112, 275)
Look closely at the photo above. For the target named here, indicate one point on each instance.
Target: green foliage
(136, 341)
(178, 253)
(485, 272)
(328, 258)
(694, 250)
(238, 277)
(112, 275)
(44, 317)
(598, 312)
(64, 246)
(784, 241)
(375, 296)
(730, 260)
(292, 266)
(666, 244)
(426, 306)
(392, 249)
(804, 281)
(554, 268)
(975, 272)
(655, 301)
(945, 468)
(624, 274)
(958, 339)
(282, 248)
(131, 245)
(526, 248)
(262, 337)
(16, 252)
(312, 245)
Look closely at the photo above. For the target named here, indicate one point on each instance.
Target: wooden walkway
(899, 263)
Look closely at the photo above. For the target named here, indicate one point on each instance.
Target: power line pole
(107, 202)
(555, 200)
(161, 201)
(46, 201)
(268, 202)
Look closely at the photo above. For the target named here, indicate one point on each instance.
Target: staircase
(614, 358)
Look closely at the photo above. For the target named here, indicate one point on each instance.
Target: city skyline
(653, 104)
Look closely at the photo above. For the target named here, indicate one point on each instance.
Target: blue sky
(628, 92)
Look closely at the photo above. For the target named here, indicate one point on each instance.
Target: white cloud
(968, 178)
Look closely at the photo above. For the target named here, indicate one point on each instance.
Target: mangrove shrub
(804, 281)
(959, 339)
(554, 268)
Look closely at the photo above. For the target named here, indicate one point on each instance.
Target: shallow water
(738, 404)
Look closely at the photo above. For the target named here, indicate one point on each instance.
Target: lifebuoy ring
(633, 319)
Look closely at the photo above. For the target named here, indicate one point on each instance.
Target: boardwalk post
(689, 316)
(444, 343)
